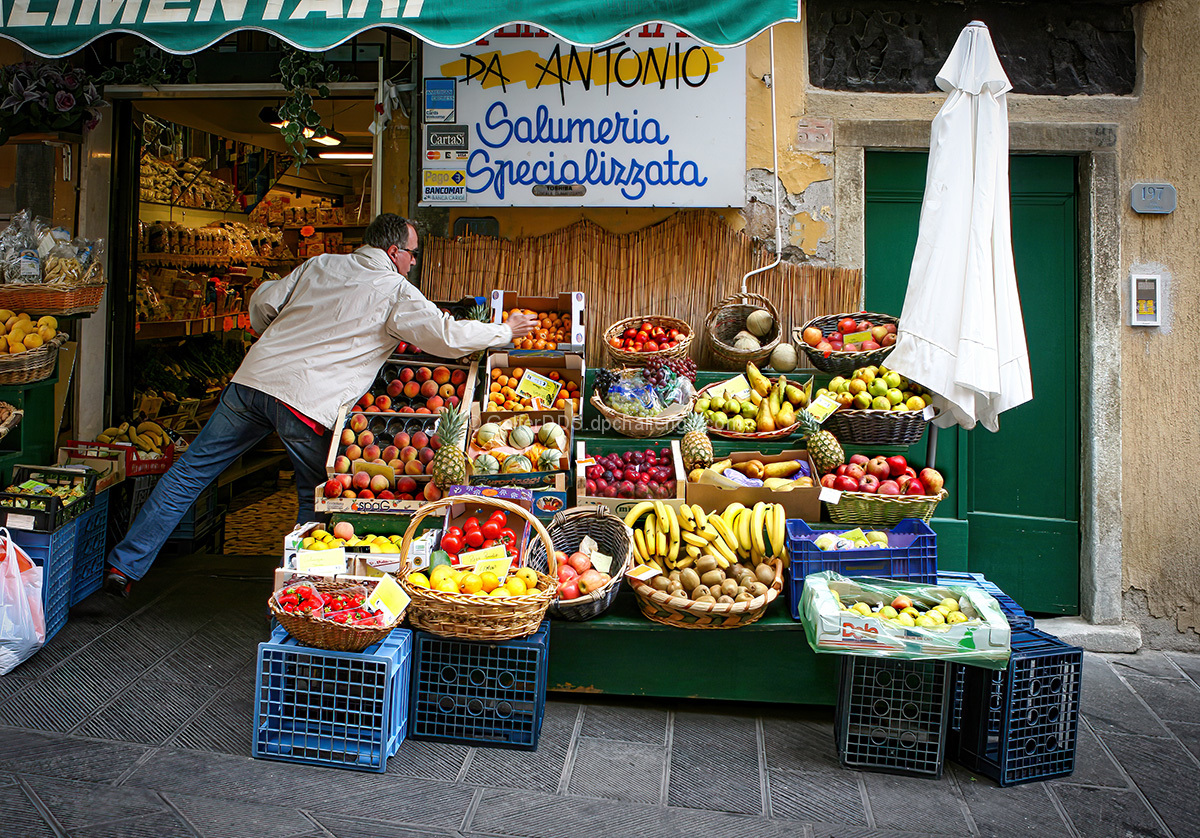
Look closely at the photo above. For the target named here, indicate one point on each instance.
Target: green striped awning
(55, 28)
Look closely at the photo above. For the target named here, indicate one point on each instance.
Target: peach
(407, 409)
(366, 399)
(395, 387)
(371, 409)
(341, 465)
(461, 392)
(436, 442)
(353, 452)
(435, 403)
(345, 479)
(361, 480)
(395, 464)
(414, 467)
(379, 483)
(401, 439)
(423, 410)
(356, 409)
(425, 455)
(429, 468)
(423, 374)
(384, 403)
(431, 492)
(428, 389)
(441, 375)
(348, 435)
(405, 496)
(386, 494)
(343, 530)
(371, 452)
(366, 494)
(358, 423)
(452, 401)
(458, 377)
(390, 453)
(365, 439)
(405, 375)
(406, 484)
(349, 495)
(419, 440)
(408, 453)
(446, 391)
(412, 389)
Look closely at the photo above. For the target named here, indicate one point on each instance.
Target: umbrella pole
(931, 451)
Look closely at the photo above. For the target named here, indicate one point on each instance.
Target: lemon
(489, 581)
(419, 579)
(471, 584)
(500, 591)
(515, 585)
(529, 576)
(442, 571)
(446, 585)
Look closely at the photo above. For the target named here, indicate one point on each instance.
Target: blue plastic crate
(489, 694)
(892, 715)
(911, 555)
(342, 709)
(91, 537)
(1021, 725)
(1015, 614)
(55, 553)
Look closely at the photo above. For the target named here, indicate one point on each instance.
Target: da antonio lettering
(597, 168)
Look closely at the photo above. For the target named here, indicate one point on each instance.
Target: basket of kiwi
(705, 595)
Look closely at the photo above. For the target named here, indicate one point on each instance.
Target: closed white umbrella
(961, 334)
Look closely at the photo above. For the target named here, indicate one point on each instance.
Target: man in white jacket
(326, 329)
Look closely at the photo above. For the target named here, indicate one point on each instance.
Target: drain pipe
(774, 171)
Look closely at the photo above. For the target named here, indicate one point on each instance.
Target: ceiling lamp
(331, 138)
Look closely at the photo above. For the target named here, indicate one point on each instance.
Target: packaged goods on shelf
(184, 183)
(34, 253)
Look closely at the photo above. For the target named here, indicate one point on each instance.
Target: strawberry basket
(321, 632)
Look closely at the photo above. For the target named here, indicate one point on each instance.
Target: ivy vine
(151, 66)
(305, 75)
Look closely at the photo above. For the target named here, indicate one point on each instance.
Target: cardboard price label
(330, 561)
(644, 572)
(472, 558)
(498, 566)
(389, 598)
(857, 337)
(830, 495)
(534, 385)
(737, 387)
(823, 406)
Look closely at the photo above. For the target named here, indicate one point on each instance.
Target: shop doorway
(1016, 493)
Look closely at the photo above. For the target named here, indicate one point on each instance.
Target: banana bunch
(672, 539)
(148, 436)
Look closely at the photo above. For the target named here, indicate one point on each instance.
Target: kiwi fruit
(699, 591)
(742, 596)
(724, 599)
(705, 563)
(713, 577)
(757, 589)
(675, 589)
(661, 582)
(765, 573)
(705, 598)
(689, 579)
(729, 587)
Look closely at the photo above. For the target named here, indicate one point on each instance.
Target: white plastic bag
(22, 620)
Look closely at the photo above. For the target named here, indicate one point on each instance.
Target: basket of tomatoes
(635, 340)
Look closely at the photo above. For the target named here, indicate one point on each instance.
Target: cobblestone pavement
(136, 720)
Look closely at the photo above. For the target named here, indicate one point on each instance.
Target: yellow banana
(637, 512)
(639, 541)
(720, 550)
(730, 513)
(665, 516)
(724, 531)
(105, 438)
(758, 518)
(710, 532)
(691, 539)
(779, 535)
(700, 516)
(687, 521)
(669, 561)
(743, 532)
(654, 563)
(662, 543)
(692, 550)
(674, 539)
(684, 561)
(651, 536)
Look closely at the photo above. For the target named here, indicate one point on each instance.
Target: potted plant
(41, 96)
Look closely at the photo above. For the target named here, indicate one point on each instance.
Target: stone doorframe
(1100, 284)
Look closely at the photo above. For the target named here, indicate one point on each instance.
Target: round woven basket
(326, 634)
(877, 427)
(612, 537)
(728, 317)
(638, 427)
(477, 616)
(757, 436)
(840, 363)
(865, 509)
(34, 365)
(55, 300)
(638, 359)
(661, 607)
(11, 420)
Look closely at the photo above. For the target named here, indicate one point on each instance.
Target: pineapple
(450, 466)
(823, 448)
(481, 313)
(696, 447)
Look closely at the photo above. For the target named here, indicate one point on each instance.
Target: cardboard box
(467, 504)
(365, 506)
(850, 633)
(569, 368)
(419, 550)
(621, 506)
(358, 571)
(384, 427)
(804, 504)
(563, 418)
(108, 463)
(391, 370)
(567, 303)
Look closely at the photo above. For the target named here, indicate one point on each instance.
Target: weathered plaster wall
(1159, 407)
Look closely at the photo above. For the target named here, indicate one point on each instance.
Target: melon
(489, 435)
(520, 436)
(516, 464)
(747, 344)
(760, 322)
(783, 358)
(486, 464)
(549, 460)
(552, 435)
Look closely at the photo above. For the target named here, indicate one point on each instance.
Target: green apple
(916, 403)
(956, 617)
(702, 405)
(878, 387)
(924, 621)
(881, 403)
(861, 608)
(862, 401)
(895, 396)
(826, 541)
(838, 384)
(905, 619)
(893, 380)
(888, 612)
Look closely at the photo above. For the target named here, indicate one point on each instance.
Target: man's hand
(521, 324)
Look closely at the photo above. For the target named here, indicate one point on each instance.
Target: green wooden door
(1014, 509)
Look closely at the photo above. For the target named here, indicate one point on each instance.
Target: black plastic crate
(197, 519)
(46, 513)
(128, 498)
(892, 715)
(489, 694)
(1020, 725)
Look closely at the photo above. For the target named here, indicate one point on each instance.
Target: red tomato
(455, 531)
(471, 523)
(508, 538)
(499, 517)
(452, 544)
(474, 538)
(490, 530)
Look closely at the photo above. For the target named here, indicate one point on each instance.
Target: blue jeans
(243, 418)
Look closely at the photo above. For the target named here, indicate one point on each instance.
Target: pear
(758, 381)
(766, 422)
(786, 417)
(794, 395)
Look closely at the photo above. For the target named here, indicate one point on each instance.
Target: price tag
(537, 386)
(830, 495)
(19, 522)
(855, 534)
(328, 561)
(499, 566)
(928, 412)
(737, 387)
(644, 572)
(389, 598)
(34, 486)
(472, 557)
(601, 562)
(823, 406)
(857, 337)
(586, 461)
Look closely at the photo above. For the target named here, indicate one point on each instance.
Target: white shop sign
(654, 118)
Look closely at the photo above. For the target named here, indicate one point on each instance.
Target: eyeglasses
(411, 252)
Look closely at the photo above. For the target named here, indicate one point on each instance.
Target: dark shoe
(117, 583)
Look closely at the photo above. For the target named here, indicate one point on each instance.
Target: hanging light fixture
(271, 117)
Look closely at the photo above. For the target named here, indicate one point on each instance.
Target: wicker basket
(638, 359)
(638, 427)
(326, 634)
(55, 300)
(865, 509)
(477, 616)
(757, 436)
(877, 427)
(34, 365)
(841, 363)
(13, 419)
(661, 607)
(728, 317)
(612, 537)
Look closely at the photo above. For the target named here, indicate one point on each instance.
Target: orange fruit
(489, 581)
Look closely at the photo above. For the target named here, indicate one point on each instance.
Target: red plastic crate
(135, 466)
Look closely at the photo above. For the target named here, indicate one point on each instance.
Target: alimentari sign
(654, 118)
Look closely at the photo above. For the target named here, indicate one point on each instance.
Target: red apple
(868, 346)
(568, 589)
(903, 480)
(932, 479)
(901, 602)
(888, 340)
(870, 483)
(828, 480)
(915, 487)
(897, 465)
(860, 459)
(889, 487)
(847, 325)
(845, 484)
(855, 472)
(580, 562)
(592, 580)
(566, 572)
(878, 467)
(841, 470)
